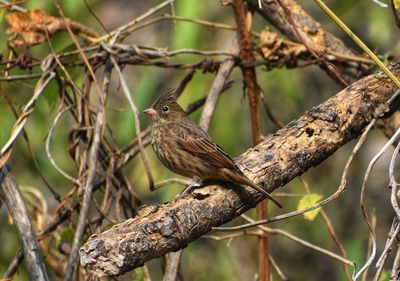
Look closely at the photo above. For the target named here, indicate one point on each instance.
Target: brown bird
(186, 149)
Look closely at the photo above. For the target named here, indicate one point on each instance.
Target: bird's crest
(166, 109)
(167, 97)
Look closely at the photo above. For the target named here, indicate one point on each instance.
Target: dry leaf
(31, 27)
(269, 42)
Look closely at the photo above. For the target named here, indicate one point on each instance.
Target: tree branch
(12, 196)
(311, 29)
(248, 72)
(302, 144)
(317, 36)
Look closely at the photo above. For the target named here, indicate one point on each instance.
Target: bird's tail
(239, 177)
(258, 188)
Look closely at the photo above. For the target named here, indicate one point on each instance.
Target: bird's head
(165, 109)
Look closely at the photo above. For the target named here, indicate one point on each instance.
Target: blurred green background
(290, 91)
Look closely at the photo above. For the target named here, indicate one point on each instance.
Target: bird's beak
(150, 111)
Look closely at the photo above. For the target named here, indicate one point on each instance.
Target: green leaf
(307, 201)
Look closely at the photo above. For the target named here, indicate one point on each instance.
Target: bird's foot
(196, 183)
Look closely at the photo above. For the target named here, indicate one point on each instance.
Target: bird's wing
(207, 149)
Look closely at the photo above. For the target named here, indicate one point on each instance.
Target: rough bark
(302, 144)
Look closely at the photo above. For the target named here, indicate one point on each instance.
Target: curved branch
(302, 144)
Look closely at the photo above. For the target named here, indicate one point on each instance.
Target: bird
(186, 149)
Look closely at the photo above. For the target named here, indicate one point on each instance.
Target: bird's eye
(165, 109)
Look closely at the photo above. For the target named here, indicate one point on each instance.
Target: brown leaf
(31, 26)
(269, 42)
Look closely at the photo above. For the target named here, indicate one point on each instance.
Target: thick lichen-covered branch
(302, 144)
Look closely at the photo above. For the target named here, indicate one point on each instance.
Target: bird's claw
(187, 190)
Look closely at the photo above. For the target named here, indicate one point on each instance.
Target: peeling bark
(302, 144)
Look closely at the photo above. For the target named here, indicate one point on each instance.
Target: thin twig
(185, 81)
(175, 18)
(233, 235)
(13, 6)
(370, 243)
(268, 110)
(366, 217)
(47, 76)
(277, 268)
(31, 152)
(393, 182)
(151, 53)
(216, 88)
(396, 264)
(48, 139)
(169, 181)
(335, 238)
(21, 77)
(392, 236)
(81, 52)
(88, 185)
(125, 28)
(95, 16)
(286, 234)
(136, 113)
